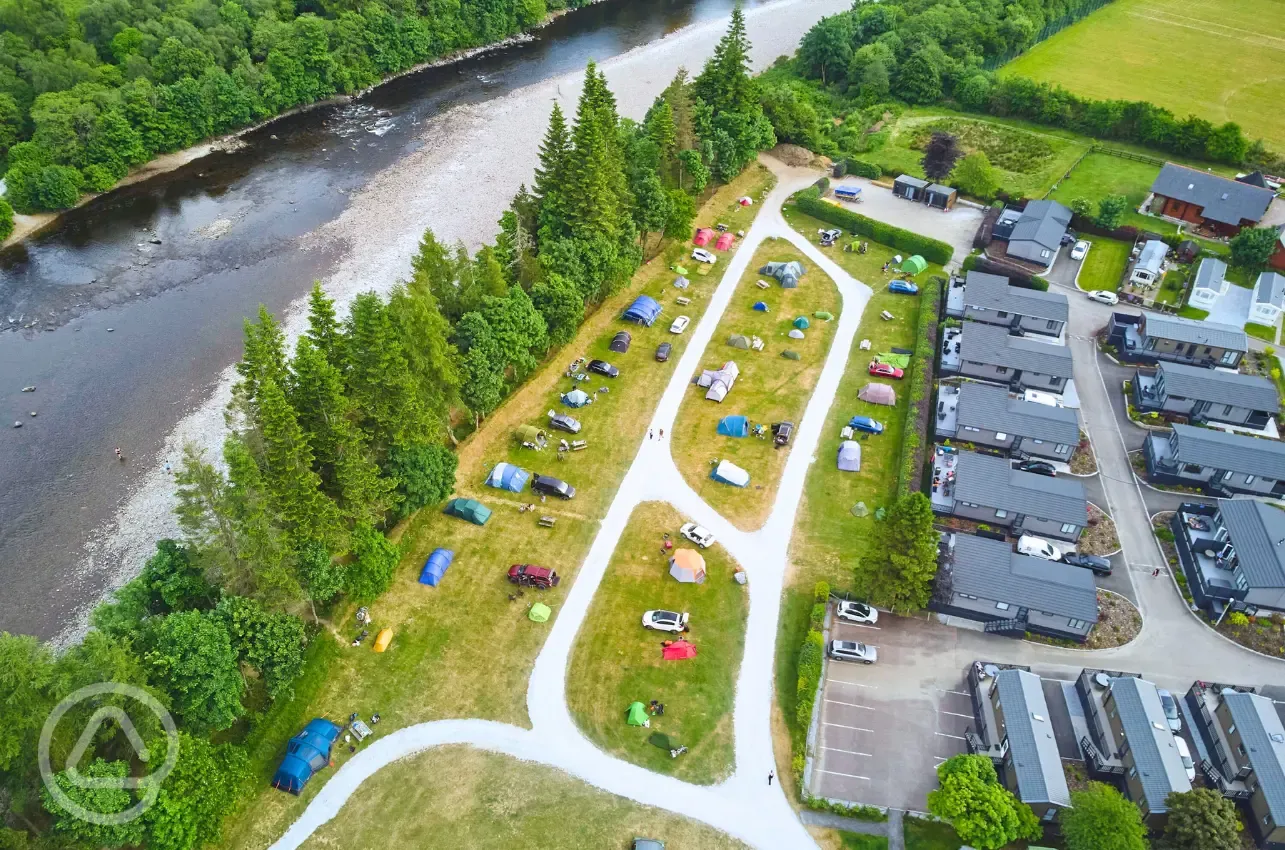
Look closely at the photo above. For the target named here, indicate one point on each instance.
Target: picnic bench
(762, 284)
(682, 300)
(548, 521)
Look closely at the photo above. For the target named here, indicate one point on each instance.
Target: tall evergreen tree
(678, 95)
(725, 83)
(323, 326)
(434, 268)
(265, 354)
(264, 568)
(551, 174)
(379, 378)
(316, 392)
(425, 337)
(203, 510)
(664, 134)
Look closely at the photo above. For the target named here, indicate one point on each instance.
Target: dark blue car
(904, 287)
(865, 423)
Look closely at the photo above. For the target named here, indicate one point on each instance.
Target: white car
(1102, 296)
(1038, 547)
(1185, 754)
(702, 537)
(1081, 248)
(665, 621)
(850, 650)
(856, 612)
(700, 255)
(680, 324)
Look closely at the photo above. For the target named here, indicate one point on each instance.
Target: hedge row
(861, 168)
(866, 813)
(810, 655)
(933, 250)
(921, 383)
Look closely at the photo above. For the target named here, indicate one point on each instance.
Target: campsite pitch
(770, 388)
(617, 662)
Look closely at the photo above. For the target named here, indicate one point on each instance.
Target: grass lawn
(930, 835)
(769, 389)
(1172, 286)
(616, 661)
(441, 663)
(858, 841)
(1099, 175)
(460, 797)
(1135, 49)
(1264, 332)
(1244, 278)
(1104, 265)
(1193, 313)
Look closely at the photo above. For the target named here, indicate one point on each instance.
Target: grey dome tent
(849, 456)
(734, 426)
(796, 334)
(739, 341)
(791, 355)
(719, 381)
(802, 323)
(644, 310)
(787, 273)
(576, 398)
(729, 473)
(620, 342)
(878, 394)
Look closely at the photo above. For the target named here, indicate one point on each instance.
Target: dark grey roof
(1199, 332)
(1264, 739)
(1029, 727)
(1210, 274)
(992, 482)
(1270, 289)
(990, 569)
(937, 187)
(909, 180)
(1142, 718)
(1223, 200)
(992, 408)
(1042, 222)
(1256, 531)
(1234, 452)
(994, 346)
(993, 292)
(1221, 387)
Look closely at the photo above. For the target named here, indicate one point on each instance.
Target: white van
(1047, 399)
(1038, 547)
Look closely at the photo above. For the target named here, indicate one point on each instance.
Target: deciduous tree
(1111, 210)
(189, 808)
(975, 176)
(1253, 247)
(1100, 818)
(940, 155)
(375, 562)
(190, 655)
(983, 812)
(1201, 819)
(899, 574)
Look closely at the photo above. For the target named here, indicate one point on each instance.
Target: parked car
(856, 612)
(1184, 753)
(865, 423)
(1039, 467)
(850, 650)
(905, 287)
(602, 367)
(529, 575)
(1038, 547)
(699, 535)
(830, 234)
(885, 370)
(781, 433)
(1081, 248)
(680, 324)
(1097, 563)
(666, 621)
(563, 422)
(662, 352)
(1170, 705)
(1102, 296)
(548, 486)
(700, 255)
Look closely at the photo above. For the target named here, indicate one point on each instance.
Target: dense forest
(334, 441)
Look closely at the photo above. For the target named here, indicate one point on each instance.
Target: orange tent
(678, 650)
(687, 565)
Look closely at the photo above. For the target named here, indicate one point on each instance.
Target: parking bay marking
(850, 704)
(955, 714)
(956, 737)
(849, 752)
(841, 726)
(849, 775)
(961, 693)
(854, 684)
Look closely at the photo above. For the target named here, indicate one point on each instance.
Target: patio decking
(943, 486)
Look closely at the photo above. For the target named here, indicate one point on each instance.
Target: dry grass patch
(1099, 537)
(1119, 622)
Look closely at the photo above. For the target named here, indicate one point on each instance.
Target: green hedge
(821, 592)
(866, 813)
(933, 250)
(810, 656)
(817, 620)
(921, 382)
(861, 168)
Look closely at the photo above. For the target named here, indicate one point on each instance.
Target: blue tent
(506, 476)
(644, 310)
(760, 306)
(307, 753)
(435, 567)
(734, 426)
(575, 398)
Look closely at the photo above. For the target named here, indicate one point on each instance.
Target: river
(139, 296)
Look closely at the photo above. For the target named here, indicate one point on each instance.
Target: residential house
(1210, 284)
(1206, 200)
(1269, 298)
(1037, 233)
(989, 416)
(986, 581)
(991, 353)
(989, 298)
(1151, 338)
(986, 489)
(1207, 395)
(1277, 260)
(1150, 265)
(1233, 554)
(1221, 464)
(910, 188)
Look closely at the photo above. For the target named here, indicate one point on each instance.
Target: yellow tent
(382, 639)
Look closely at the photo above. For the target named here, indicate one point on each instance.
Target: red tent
(679, 650)
(724, 242)
(703, 236)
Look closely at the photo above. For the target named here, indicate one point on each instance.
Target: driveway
(1233, 307)
(957, 226)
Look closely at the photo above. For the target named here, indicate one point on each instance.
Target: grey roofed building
(1027, 724)
(990, 569)
(992, 408)
(991, 481)
(993, 292)
(1222, 200)
(1256, 530)
(1234, 452)
(1210, 274)
(994, 346)
(1263, 736)
(1038, 233)
(1152, 257)
(1198, 332)
(911, 180)
(1270, 289)
(1217, 385)
(1142, 717)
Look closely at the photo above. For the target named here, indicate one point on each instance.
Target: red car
(529, 575)
(885, 370)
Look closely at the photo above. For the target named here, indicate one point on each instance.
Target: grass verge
(1104, 265)
(1196, 313)
(930, 835)
(1263, 332)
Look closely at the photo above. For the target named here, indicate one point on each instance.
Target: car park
(851, 650)
(1184, 754)
(530, 575)
(904, 287)
(1170, 705)
(1102, 296)
(680, 324)
(781, 433)
(548, 486)
(857, 612)
(865, 423)
(700, 255)
(885, 370)
(662, 352)
(563, 422)
(665, 621)
(1038, 547)
(699, 535)
(1097, 563)
(1079, 250)
(1038, 467)
(602, 367)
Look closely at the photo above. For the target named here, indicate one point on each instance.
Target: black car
(1039, 467)
(602, 367)
(781, 433)
(662, 352)
(1097, 563)
(563, 422)
(547, 486)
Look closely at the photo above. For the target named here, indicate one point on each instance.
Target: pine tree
(596, 183)
(899, 576)
(265, 354)
(316, 392)
(203, 511)
(263, 568)
(435, 269)
(323, 327)
(551, 175)
(662, 132)
(379, 378)
(425, 339)
(679, 97)
(725, 82)
(489, 274)
(365, 497)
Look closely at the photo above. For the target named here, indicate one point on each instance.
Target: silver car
(850, 650)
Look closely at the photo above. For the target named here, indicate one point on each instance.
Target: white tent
(719, 381)
(729, 473)
(849, 456)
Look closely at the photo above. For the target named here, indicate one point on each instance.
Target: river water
(139, 297)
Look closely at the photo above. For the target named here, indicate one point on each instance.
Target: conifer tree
(551, 175)
(433, 361)
(662, 132)
(265, 354)
(316, 392)
(263, 568)
(379, 378)
(725, 83)
(434, 268)
(324, 329)
(679, 97)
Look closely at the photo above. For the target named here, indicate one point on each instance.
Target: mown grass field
(616, 661)
(459, 797)
(1221, 61)
(1104, 265)
(443, 661)
(770, 388)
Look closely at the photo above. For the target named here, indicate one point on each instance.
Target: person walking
(649, 433)
(1155, 573)
(771, 774)
(662, 433)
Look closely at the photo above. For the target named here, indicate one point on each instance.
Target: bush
(821, 592)
(921, 381)
(872, 814)
(1165, 533)
(810, 657)
(817, 619)
(861, 168)
(1236, 618)
(1039, 283)
(933, 250)
(822, 185)
(6, 219)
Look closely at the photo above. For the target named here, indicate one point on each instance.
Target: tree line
(331, 442)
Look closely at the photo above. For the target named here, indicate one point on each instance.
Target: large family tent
(435, 567)
(760, 306)
(791, 355)
(703, 235)
(914, 265)
(506, 476)
(739, 341)
(636, 714)
(719, 381)
(802, 323)
(531, 437)
(878, 394)
(644, 310)
(539, 613)
(734, 426)
(307, 753)
(795, 334)
(678, 650)
(787, 273)
(688, 566)
(729, 473)
(850, 456)
(620, 342)
(469, 509)
(575, 398)
(724, 242)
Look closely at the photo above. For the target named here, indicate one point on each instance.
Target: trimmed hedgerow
(932, 250)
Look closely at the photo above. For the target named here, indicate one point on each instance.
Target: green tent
(739, 341)
(539, 613)
(801, 322)
(791, 355)
(914, 265)
(530, 435)
(676, 269)
(469, 509)
(823, 315)
(636, 714)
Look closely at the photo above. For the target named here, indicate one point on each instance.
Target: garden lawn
(1104, 265)
(770, 388)
(1263, 332)
(859, 841)
(923, 834)
(460, 797)
(442, 662)
(616, 661)
(1100, 174)
(1172, 286)
(1193, 313)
